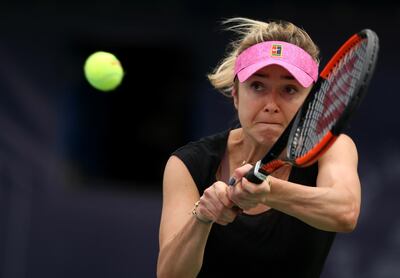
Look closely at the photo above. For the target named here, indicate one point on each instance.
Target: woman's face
(267, 101)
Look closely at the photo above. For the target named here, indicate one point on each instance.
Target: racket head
(339, 91)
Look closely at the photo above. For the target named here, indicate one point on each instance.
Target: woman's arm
(333, 205)
(182, 236)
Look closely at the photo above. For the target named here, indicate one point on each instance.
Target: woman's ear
(235, 96)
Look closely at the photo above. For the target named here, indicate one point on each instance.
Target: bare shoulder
(175, 166)
(346, 140)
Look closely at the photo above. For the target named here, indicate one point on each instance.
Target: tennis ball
(103, 71)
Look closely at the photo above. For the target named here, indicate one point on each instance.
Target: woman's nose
(270, 104)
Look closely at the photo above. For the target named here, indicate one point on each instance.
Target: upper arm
(179, 195)
(338, 168)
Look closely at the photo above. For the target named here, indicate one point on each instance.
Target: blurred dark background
(81, 170)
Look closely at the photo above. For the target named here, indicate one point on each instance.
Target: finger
(223, 223)
(250, 187)
(236, 193)
(207, 205)
(238, 173)
(212, 203)
(228, 216)
(245, 206)
(202, 213)
(242, 197)
(257, 189)
(222, 192)
(240, 190)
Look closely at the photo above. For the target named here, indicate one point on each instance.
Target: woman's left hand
(245, 194)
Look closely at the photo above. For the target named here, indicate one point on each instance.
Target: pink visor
(293, 58)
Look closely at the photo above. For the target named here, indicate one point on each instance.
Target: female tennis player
(285, 226)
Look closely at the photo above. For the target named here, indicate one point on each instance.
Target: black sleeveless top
(270, 244)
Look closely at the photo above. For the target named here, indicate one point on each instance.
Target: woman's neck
(242, 149)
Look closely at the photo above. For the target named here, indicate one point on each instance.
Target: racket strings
(329, 101)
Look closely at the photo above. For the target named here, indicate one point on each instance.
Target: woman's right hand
(215, 205)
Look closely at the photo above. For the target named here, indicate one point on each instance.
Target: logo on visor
(276, 50)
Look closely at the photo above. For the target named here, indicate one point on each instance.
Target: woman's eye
(257, 86)
(291, 90)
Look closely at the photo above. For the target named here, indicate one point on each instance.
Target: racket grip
(251, 176)
(254, 175)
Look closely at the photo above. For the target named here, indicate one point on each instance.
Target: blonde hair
(251, 32)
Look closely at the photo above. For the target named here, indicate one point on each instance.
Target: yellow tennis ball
(103, 71)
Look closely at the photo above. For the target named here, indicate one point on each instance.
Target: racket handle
(252, 177)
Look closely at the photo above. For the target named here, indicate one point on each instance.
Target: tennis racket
(327, 109)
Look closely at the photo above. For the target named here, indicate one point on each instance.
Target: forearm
(325, 208)
(183, 255)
